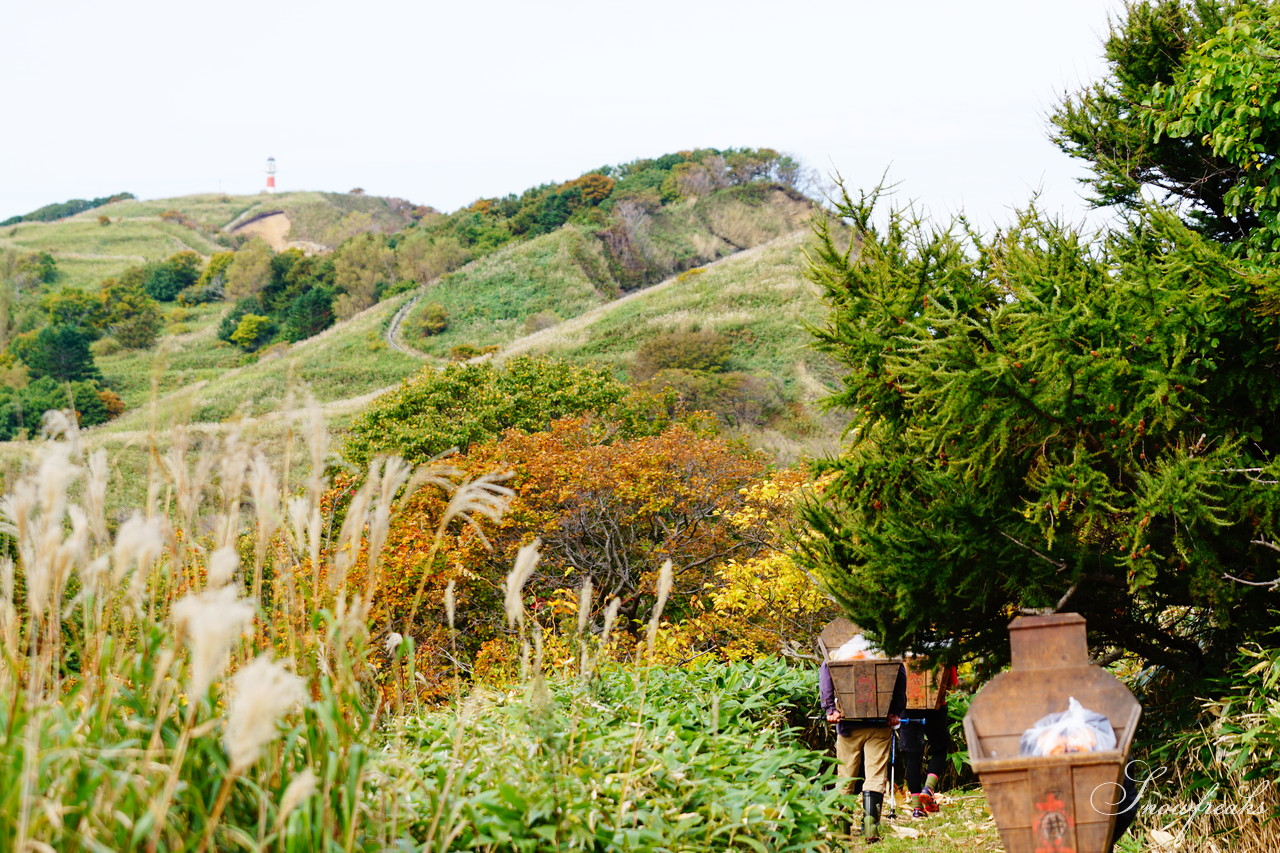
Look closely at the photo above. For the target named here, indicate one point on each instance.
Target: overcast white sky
(443, 103)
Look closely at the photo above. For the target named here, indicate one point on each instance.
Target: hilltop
(106, 240)
(347, 295)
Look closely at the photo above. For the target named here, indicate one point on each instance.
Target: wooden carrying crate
(923, 679)
(922, 686)
(1057, 802)
(864, 688)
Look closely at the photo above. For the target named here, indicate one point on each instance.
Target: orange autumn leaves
(612, 509)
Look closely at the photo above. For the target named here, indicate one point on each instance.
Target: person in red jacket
(862, 747)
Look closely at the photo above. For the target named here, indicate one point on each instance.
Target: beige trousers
(864, 751)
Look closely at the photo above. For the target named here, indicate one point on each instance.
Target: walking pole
(893, 757)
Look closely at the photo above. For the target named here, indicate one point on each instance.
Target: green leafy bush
(467, 403)
(649, 759)
(433, 319)
(704, 350)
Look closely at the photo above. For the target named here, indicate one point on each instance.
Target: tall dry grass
(196, 676)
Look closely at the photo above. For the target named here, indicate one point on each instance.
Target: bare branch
(1268, 584)
(1058, 563)
(1265, 544)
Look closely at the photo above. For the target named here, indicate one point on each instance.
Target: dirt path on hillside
(351, 404)
(274, 228)
(573, 324)
(393, 329)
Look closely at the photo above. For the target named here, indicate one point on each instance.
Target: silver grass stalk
(188, 485)
(584, 613)
(526, 561)
(584, 605)
(265, 491)
(610, 616)
(8, 622)
(484, 496)
(436, 473)
(353, 528)
(395, 473)
(96, 495)
(211, 621)
(61, 423)
(232, 467)
(139, 540)
(299, 789)
(451, 603)
(262, 691)
(299, 510)
(222, 567)
(54, 475)
(6, 579)
(664, 589)
(318, 444)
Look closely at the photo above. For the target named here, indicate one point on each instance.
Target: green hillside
(758, 299)
(88, 251)
(201, 379)
(331, 301)
(555, 277)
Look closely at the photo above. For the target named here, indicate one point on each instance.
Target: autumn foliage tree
(606, 508)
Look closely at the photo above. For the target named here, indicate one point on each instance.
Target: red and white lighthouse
(271, 174)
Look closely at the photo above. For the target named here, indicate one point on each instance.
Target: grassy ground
(760, 300)
(489, 301)
(963, 825)
(342, 363)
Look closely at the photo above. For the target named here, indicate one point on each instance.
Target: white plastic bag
(1076, 729)
(857, 647)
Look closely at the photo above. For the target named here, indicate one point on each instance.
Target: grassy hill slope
(759, 299)
(87, 252)
(558, 276)
(201, 379)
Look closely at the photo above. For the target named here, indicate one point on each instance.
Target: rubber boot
(871, 803)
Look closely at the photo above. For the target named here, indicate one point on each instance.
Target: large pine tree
(1042, 420)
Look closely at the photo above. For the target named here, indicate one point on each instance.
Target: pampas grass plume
(211, 621)
(222, 567)
(262, 691)
(300, 788)
(664, 590)
(526, 562)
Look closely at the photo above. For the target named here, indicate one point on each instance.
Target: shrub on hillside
(231, 320)
(705, 350)
(253, 331)
(467, 403)
(541, 320)
(739, 399)
(59, 352)
(309, 314)
(130, 315)
(433, 319)
(164, 280)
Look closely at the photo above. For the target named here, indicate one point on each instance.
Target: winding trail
(580, 321)
(350, 404)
